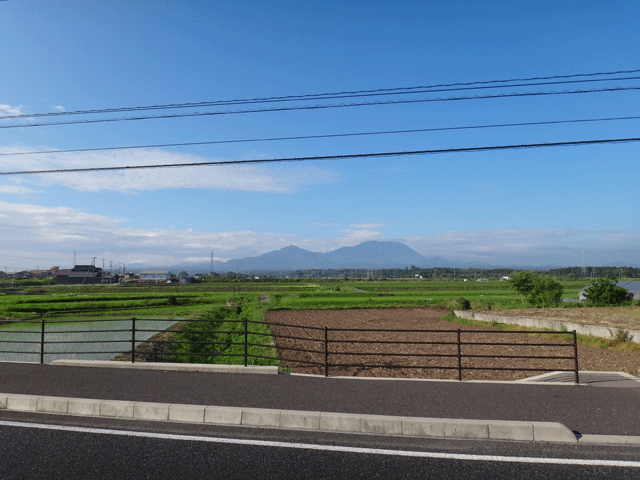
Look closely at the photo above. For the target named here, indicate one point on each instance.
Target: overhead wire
(352, 94)
(322, 136)
(318, 107)
(330, 157)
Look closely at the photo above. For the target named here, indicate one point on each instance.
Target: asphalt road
(584, 409)
(30, 451)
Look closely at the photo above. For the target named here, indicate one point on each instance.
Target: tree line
(543, 291)
(450, 273)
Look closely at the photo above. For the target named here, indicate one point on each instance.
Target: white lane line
(331, 448)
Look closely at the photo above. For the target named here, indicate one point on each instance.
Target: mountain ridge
(371, 254)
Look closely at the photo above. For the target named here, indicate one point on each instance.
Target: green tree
(539, 290)
(605, 292)
(523, 282)
(546, 292)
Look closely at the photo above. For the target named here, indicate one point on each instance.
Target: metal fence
(321, 350)
(350, 350)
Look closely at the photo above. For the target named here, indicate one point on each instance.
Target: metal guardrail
(324, 348)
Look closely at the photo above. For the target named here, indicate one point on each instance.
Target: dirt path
(355, 357)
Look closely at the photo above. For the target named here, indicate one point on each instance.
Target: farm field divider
(326, 350)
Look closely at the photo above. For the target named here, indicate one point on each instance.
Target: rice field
(82, 314)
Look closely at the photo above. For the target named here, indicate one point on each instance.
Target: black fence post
(326, 351)
(575, 356)
(133, 340)
(459, 357)
(246, 341)
(42, 340)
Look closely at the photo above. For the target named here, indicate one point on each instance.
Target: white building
(155, 276)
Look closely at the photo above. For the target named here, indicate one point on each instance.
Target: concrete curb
(184, 367)
(591, 330)
(311, 421)
(270, 370)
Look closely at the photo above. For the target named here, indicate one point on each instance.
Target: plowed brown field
(352, 353)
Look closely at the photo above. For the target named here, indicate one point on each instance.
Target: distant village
(92, 275)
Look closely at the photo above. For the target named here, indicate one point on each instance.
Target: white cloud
(494, 240)
(52, 233)
(519, 246)
(255, 178)
(9, 111)
(355, 237)
(189, 241)
(369, 225)
(15, 190)
(48, 219)
(60, 230)
(58, 108)
(621, 238)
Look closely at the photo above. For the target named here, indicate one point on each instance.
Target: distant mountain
(376, 255)
(288, 258)
(366, 255)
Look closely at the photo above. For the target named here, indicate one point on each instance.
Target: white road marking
(331, 448)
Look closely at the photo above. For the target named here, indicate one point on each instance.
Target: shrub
(539, 290)
(463, 304)
(622, 337)
(486, 304)
(546, 292)
(605, 292)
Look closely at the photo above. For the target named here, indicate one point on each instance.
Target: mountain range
(374, 255)
(371, 254)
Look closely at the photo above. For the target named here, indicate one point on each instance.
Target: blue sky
(551, 206)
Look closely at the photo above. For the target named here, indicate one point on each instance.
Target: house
(24, 274)
(52, 272)
(80, 275)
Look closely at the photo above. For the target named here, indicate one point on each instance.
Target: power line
(550, 80)
(329, 135)
(331, 157)
(319, 107)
